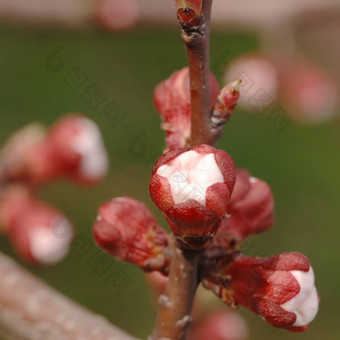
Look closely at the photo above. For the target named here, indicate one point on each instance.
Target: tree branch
(175, 304)
(29, 309)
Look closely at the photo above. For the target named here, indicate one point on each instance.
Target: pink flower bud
(225, 103)
(192, 187)
(279, 288)
(126, 229)
(260, 81)
(219, 325)
(16, 156)
(71, 148)
(172, 101)
(117, 15)
(39, 233)
(250, 209)
(77, 148)
(308, 93)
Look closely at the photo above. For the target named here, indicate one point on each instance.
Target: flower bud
(126, 229)
(77, 148)
(117, 15)
(189, 12)
(192, 187)
(16, 153)
(39, 233)
(71, 148)
(219, 325)
(250, 211)
(308, 93)
(225, 103)
(279, 288)
(172, 101)
(260, 81)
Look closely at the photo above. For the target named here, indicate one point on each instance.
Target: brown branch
(29, 309)
(175, 304)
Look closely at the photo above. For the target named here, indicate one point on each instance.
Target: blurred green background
(301, 163)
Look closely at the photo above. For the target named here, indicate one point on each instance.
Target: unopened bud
(192, 188)
(126, 229)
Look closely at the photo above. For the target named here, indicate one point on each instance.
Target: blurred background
(54, 56)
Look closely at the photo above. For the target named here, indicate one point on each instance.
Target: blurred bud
(172, 101)
(225, 103)
(260, 83)
(126, 229)
(309, 94)
(192, 187)
(279, 288)
(219, 325)
(251, 211)
(39, 233)
(71, 148)
(117, 15)
(16, 153)
(78, 150)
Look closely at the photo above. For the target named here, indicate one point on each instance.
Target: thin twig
(29, 309)
(196, 39)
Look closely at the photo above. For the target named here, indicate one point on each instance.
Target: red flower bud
(250, 209)
(189, 12)
(219, 325)
(39, 233)
(225, 103)
(279, 288)
(126, 229)
(172, 101)
(192, 187)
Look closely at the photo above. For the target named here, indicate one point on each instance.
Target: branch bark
(196, 38)
(29, 309)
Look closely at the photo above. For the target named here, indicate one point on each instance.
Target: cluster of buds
(279, 288)
(210, 208)
(72, 148)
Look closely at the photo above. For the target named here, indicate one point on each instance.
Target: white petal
(190, 174)
(306, 303)
(89, 144)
